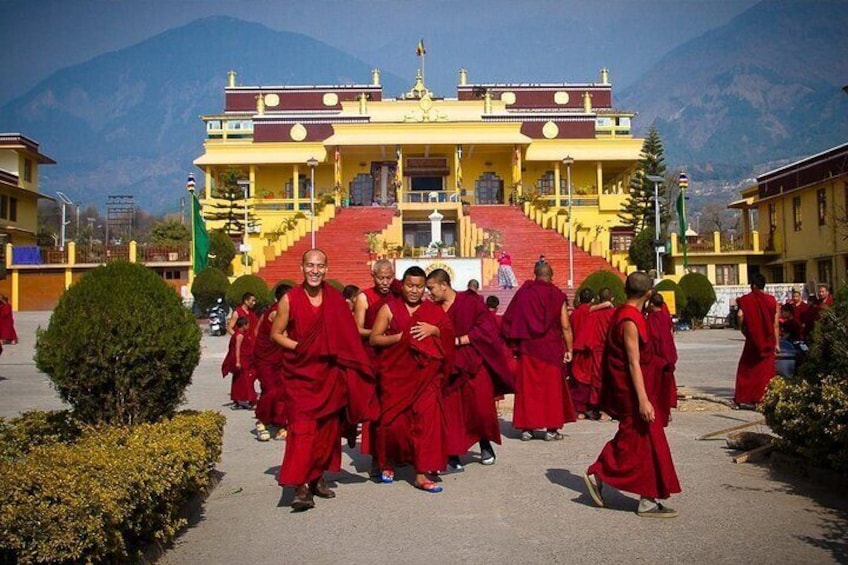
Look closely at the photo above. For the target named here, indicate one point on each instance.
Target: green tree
(222, 251)
(641, 252)
(638, 212)
(604, 279)
(700, 296)
(169, 232)
(210, 284)
(120, 347)
(229, 204)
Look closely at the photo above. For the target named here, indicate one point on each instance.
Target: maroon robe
(328, 384)
(268, 360)
(532, 322)
(580, 383)
(638, 458)
(599, 320)
(801, 313)
(410, 376)
(661, 329)
(241, 388)
(480, 373)
(756, 366)
(7, 323)
(375, 301)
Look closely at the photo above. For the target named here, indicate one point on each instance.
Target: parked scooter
(217, 315)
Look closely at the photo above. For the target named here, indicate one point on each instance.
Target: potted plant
(373, 243)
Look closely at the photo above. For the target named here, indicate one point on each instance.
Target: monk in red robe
(239, 363)
(365, 309)
(760, 323)
(580, 383)
(800, 313)
(416, 342)
(599, 322)
(480, 372)
(244, 310)
(536, 324)
(638, 458)
(327, 379)
(7, 322)
(268, 360)
(661, 328)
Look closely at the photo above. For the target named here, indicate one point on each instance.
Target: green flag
(683, 183)
(200, 237)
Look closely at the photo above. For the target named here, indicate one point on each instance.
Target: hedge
(208, 286)
(679, 295)
(106, 496)
(700, 296)
(253, 284)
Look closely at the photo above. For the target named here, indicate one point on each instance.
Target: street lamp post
(65, 202)
(312, 162)
(656, 179)
(568, 161)
(244, 184)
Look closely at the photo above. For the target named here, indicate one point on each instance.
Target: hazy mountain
(127, 122)
(764, 88)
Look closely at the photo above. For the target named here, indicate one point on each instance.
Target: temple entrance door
(489, 189)
(362, 190)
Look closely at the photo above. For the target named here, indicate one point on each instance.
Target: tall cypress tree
(229, 206)
(638, 212)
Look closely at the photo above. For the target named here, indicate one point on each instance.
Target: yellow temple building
(530, 145)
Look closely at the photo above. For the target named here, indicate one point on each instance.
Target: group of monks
(413, 376)
(763, 326)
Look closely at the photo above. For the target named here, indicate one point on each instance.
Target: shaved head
(637, 284)
(319, 254)
(543, 271)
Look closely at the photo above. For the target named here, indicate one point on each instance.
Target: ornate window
(821, 206)
(727, 274)
(545, 185)
(489, 188)
(362, 190)
(796, 212)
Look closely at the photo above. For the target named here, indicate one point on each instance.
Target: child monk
(239, 362)
(638, 458)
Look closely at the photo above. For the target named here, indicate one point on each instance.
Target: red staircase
(343, 239)
(525, 240)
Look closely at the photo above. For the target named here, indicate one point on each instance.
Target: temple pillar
(557, 188)
(599, 176)
(296, 186)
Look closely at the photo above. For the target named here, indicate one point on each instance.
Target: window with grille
(796, 212)
(821, 206)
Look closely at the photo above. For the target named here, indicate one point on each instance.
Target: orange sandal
(428, 486)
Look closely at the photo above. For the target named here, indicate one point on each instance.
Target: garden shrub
(338, 285)
(209, 285)
(641, 252)
(679, 296)
(700, 296)
(32, 429)
(222, 251)
(120, 347)
(110, 494)
(809, 411)
(253, 284)
(604, 279)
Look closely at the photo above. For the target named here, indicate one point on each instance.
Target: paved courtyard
(531, 507)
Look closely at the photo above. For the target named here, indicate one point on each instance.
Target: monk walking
(328, 380)
(760, 323)
(661, 329)
(536, 324)
(268, 359)
(417, 349)
(368, 303)
(638, 458)
(480, 372)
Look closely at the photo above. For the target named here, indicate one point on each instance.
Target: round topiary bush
(338, 285)
(209, 285)
(641, 252)
(253, 284)
(604, 279)
(222, 251)
(700, 296)
(679, 296)
(120, 347)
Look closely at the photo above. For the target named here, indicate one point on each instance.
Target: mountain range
(760, 90)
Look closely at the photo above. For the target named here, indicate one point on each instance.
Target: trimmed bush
(810, 411)
(338, 285)
(604, 279)
(36, 428)
(679, 296)
(641, 252)
(209, 285)
(105, 497)
(700, 296)
(222, 251)
(249, 283)
(120, 347)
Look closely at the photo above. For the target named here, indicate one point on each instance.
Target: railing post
(133, 252)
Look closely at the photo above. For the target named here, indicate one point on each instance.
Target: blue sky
(503, 40)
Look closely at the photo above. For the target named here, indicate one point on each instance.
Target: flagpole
(683, 182)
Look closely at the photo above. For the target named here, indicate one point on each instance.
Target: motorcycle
(217, 316)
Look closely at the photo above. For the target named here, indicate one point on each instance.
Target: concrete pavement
(531, 507)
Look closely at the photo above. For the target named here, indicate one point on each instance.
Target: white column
(435, 226)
